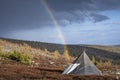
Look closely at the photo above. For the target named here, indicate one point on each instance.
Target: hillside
(111, 53)
(20, 60)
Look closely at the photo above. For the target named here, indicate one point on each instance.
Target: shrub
(56, 54)
(66, 55)
(1, 54)
(20, 57)
(26, 59)
(14, 56)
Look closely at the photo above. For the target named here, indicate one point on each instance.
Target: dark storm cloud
(83, 5)
(98, 17)
(21, 15)
(69, 5)
(30, 14)
(107, 4)
(80, 10)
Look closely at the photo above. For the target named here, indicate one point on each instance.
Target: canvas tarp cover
(82, 66)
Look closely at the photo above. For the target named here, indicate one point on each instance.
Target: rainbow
(56, 23)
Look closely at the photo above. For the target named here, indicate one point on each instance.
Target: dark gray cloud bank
(31, 14)
(82, 10)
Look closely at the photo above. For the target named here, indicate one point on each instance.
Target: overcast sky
(78, 21)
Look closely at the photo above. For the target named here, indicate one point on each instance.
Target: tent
(82, 66)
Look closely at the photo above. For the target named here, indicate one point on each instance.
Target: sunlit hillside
(36, 55)
(111, 53)
(46, 61)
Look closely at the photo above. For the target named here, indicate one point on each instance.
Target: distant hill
(117, 45)
(100, 52)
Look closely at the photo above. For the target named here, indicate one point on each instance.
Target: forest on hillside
(110, 53)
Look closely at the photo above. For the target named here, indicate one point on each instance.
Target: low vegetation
(17, 56)
(111, 53)
(49, 64)
(22, 52)
(20, 57)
